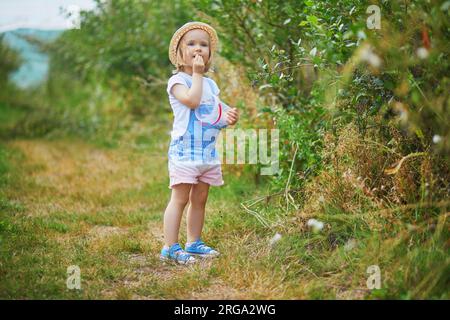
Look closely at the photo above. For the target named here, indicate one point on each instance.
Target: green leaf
(419, 133)
(303, 23)
(313, 20)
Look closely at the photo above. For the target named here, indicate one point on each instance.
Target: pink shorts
(189, 172)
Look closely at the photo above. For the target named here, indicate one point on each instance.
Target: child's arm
(191, 97)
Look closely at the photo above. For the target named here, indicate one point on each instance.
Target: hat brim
(214, 41)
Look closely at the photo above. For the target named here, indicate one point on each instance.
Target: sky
(39, 14)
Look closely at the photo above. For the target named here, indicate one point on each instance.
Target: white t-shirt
(180, 111)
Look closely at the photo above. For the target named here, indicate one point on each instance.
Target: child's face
(196, 42)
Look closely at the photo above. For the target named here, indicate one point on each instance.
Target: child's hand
(232, 116)
(198, 65)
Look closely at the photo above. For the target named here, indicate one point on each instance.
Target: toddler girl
(199, 115)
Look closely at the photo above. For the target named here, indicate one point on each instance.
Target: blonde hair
(181, 63)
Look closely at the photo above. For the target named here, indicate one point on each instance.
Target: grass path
(71, 203)
(66, 202)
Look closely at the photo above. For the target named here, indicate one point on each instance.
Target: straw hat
(214, 41)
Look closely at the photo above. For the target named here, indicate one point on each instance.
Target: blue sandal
(177, 254)
(199, 248)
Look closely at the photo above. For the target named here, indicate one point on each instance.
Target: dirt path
(110, 203)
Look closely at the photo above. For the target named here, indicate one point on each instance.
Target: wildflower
(316, 225)
(321, 199)
(361, 35)
(437, 139)
(369, 56)
(422, 53)
(275, 239)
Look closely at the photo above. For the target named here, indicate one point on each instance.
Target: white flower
(422, 53)
(369, 56)
(361, 35)
(321, 199)
(313, 51)
(316, 225)
(275, 239)
(437, 138)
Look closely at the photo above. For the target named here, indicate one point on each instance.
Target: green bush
(108, 74)
(319, 63)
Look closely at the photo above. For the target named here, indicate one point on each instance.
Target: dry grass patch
(75, 177)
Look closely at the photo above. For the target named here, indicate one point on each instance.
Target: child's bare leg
(174, 212)
(196, 210)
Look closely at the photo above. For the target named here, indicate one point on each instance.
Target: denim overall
(197, 144)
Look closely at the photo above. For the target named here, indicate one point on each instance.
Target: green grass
(68, 202)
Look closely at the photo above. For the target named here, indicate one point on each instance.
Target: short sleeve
(175, 79)
(215, 88)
